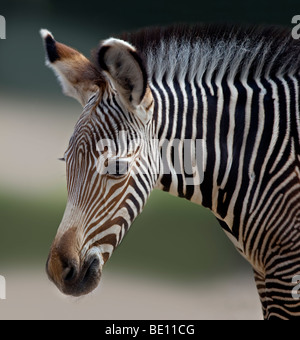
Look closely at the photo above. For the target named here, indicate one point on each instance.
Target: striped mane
(214, 51)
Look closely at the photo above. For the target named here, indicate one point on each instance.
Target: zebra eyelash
(62, 159)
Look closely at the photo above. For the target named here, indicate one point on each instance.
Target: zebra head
(108, 161)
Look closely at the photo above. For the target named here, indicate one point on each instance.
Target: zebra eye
(117, 167)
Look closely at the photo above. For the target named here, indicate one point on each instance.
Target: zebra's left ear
(79, 78)
(126, 71)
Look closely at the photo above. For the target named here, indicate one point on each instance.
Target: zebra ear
(127, 73)
(78, 77)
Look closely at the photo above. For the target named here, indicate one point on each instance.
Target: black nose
(72, 277)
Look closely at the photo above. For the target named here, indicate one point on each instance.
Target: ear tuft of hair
(44, 33)
(50, 45)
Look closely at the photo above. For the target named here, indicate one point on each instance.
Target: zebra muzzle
(70, 274)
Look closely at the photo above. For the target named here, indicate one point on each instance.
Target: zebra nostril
(69, 272)
(92, 268)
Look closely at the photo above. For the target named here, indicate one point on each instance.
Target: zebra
(236, 89)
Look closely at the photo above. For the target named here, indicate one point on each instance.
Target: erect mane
(183, 50)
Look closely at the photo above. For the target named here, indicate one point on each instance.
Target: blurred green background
(172, 239)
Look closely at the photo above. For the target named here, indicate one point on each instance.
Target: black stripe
(141, 64)
(101, 54)
(51, 49)
(163, 112)
(207, 184)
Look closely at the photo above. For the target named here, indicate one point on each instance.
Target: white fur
(45, 33)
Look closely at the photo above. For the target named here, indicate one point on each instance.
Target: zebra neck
(178, 124)
(246, 138)
(202, 115)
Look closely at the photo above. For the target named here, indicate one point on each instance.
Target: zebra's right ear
(126, 71)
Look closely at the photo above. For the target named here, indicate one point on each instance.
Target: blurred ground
(121, 297)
